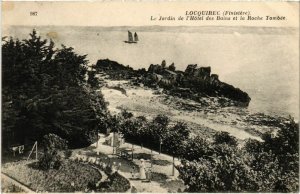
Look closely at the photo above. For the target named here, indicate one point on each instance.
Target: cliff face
(196, 82)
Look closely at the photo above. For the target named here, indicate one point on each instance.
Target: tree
(275, 161)
(92, 80)
(46, 91)
(224, 137)
(159, 128)
(286, 139)
(196, 148)
(217, 174)
(253, 146)
(174, 140)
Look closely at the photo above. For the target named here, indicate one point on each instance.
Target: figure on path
(133, 172)
(114, 167)
(142, 170)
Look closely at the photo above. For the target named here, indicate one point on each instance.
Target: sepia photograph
(149, 97)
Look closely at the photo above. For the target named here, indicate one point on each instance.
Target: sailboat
(130, 38)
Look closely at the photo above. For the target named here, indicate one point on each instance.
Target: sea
(262, 61)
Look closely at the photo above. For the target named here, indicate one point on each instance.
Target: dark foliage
(224, 137)
(54, 142)
(45, 91)
(114, 183)
(153, 133)
(51, 159)
(269, 166)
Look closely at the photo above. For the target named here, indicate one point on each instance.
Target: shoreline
(148, 102)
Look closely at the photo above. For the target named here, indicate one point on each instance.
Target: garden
(221, 163)
(70, 177)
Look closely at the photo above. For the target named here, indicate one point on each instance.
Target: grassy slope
(52, 180)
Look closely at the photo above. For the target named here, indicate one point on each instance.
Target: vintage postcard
(150, 97)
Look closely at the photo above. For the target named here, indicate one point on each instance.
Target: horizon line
(242, 26)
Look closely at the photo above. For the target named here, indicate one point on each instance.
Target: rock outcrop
(195, 81)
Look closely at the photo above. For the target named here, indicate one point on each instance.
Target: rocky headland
(194, 83)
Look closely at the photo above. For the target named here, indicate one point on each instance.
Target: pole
(132, 152)
(34, 145)
(151, 158)
(159, 147)
(113, 142)
(173, 168)
(160, 143)
(36, 150)
(97, 140)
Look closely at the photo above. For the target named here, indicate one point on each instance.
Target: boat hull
(130, 42)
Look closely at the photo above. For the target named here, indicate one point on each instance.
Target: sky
(91, 13)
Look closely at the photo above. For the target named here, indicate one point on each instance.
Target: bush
(68, 153)
(114, 183)
(118, 183)
(52, 141)
(227, 173)
(50, 160)
(225, 137)
(269, 166)
(253, 146)
(196, 148)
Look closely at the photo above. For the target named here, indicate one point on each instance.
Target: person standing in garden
(142, 170)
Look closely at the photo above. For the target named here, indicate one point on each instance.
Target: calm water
(265, 65)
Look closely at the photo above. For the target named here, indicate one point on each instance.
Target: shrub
(52, 141)
(68, 153)
(50, 160)
(217, 174)
(196, 148)
(225, 137)
(253, 146)
(114, 183)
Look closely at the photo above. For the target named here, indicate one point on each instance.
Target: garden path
(162, 167)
